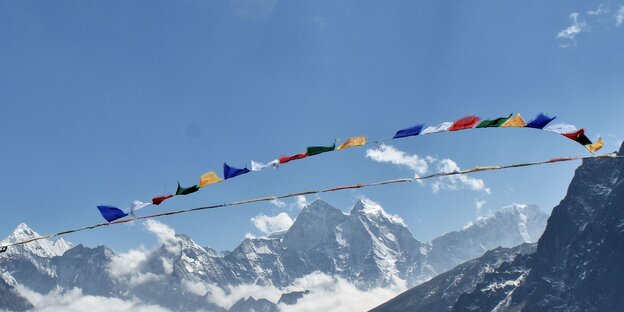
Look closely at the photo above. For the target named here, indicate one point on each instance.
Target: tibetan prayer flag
(583, 139)
(285, 159)
(575, 135)
(186, 190)
(315, 150)
(230, 172)
(256, 166)
(596, 146)
(415, 130)
(137, 204)
(515, 121)
(159, 199)
(540, 121)
(493, 123)
(351, 142)
(464, 123)
(209, 178)
(561, 128)
(111, 213)
(439, 128)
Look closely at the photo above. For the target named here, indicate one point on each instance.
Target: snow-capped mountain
(576, 266)
(367, 246)
(508, 227)
(442, 291)
(45, 248)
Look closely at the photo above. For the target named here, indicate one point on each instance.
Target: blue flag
(230, 172)
(111, 213)
(540, 121)
(415, 130)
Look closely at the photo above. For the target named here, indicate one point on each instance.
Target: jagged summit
(45, 248)
(370, 208)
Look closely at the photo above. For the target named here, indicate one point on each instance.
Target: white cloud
(165, 234)
(127, 263)
(226, 298)
(569, 34)
(74, 301)
(278, 203)
(455, 182)
(140, 278)
(302, 201)
(478, 205)
(267, 224)
(329, 293)
(421, 166)
(600, 10)
(389, 154)
(619, 17)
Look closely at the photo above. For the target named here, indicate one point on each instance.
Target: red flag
(285, 159)
(574, 135)
(465, 123)
(159, 199)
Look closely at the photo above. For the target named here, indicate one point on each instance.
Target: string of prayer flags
(315, 150)
(540, 121)
(352, 142)
(231, 172)
(186, 190)
(415, 130)
(464, 123)
(209, 178)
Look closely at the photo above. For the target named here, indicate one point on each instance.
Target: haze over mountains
(366, 251)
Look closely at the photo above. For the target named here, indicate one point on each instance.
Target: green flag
(186, 190)
(315, 150)
(493, 123)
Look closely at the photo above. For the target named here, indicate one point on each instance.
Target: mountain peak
(370, 208)
(320, 208)
(42, 248)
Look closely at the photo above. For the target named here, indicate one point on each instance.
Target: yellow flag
(596, 146)
(351, 142)
(515, 121)
(209, 178)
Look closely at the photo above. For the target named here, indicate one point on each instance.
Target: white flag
(256, 166)
(137, 204)
(439, 128)
(561, 128)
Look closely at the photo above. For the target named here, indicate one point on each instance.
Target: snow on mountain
(368, 247)
(508, 227)
(442, 291)
(45, 248)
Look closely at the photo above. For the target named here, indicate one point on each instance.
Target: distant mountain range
(367, 247)
(575, 266)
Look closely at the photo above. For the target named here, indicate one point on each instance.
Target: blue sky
(104, 102)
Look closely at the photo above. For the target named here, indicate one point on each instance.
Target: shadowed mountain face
(367, 247)
(11, 300)
(577, 264)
